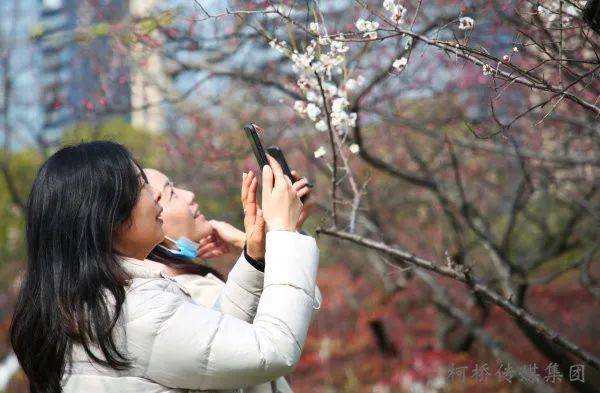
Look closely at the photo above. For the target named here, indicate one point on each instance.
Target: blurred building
(83, 77)
(146, 76)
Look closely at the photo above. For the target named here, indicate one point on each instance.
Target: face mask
(187, 249)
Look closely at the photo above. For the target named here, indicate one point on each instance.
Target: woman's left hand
(254, 223)
(301, 188)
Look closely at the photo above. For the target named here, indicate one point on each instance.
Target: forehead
(156, 178)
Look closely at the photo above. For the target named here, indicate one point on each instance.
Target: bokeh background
(490, 171)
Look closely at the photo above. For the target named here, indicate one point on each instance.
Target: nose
(155, 194)
(188, 196)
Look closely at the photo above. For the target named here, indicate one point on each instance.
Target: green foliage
(145, 146)
(22, 167)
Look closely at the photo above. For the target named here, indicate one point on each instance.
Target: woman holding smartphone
(238, 296)
(90, 318)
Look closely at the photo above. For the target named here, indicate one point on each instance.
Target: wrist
(240, 240)
(258, 263)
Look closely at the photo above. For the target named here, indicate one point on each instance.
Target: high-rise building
(146, 75)
(84, 77)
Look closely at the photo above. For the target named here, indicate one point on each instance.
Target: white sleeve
(194, 347)
(240, 295)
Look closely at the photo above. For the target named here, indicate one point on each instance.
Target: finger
(247, 180)
(268, 180)
(295, 175)
(205, 240)
(207, 248)
(251, 201)
(302, 192)
(299, 184)
(277, 171)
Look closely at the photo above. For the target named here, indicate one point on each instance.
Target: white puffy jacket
(238, 297)
(178, 345)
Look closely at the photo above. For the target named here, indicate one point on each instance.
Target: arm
(194, 347)
(242, 291)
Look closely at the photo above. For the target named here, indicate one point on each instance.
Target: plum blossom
(515, 49)
(324, 41)
(396, 11)
(321, 125)
(320, 152)
(339, 104)
(466, 23)
(312, 111)
(400, 63)
(487, 69)
(351, 84)
(338, 45)
(370, 35)
(314, 27)
(389, 4)
(354, 148)
(368, 27)
(300, 107)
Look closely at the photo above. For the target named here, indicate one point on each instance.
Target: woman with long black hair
(90, 318)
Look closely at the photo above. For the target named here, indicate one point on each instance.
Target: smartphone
(252, 132)
(277, 153)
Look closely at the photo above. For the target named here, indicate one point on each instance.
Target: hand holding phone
(253, 133)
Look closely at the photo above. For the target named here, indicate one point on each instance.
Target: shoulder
(151, 297)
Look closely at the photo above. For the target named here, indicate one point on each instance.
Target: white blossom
(400, 63)
(365, 25)
(370, 35)
(397, 14)
(515, 49)
(354, 148)
(339, 104)
(351, 84)
(313, 96)
(466, 23)
(324, 41)
(320, 152)
(361, 25)
(314, 27)
(300, 107)
(312, 111)
(487, 69)
(321, 125)
(338, 45)
(389, 4)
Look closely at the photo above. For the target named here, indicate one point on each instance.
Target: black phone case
(257, 147)
(277, 153)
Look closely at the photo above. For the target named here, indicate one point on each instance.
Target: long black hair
(183, 265)
(73, 288)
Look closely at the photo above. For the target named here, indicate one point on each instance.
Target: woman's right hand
(280, 203)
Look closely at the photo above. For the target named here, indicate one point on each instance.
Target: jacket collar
(141, 269)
